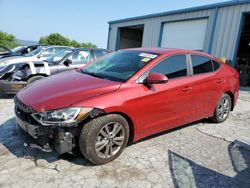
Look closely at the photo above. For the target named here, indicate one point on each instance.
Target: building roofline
(186, 10)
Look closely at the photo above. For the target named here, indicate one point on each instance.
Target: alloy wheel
(109, 140)
(223, 108)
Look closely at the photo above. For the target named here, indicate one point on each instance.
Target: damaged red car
(125, 96)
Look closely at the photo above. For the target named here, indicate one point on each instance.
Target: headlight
(63, 117)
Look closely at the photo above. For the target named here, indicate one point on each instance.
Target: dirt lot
(198, 155)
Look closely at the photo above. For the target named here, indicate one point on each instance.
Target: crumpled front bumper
(11, 87)
(62, 139)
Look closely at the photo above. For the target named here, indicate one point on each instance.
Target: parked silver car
(39, 54)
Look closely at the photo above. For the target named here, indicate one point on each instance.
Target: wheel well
(32, 75)
(232, 98)
(128, 119)
(130, 123)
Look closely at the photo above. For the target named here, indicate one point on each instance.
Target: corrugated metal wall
(152, 27)
(227, 30)
(221, 37)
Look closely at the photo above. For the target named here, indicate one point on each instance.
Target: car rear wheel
(33, 79)
(222, 110)
(103, 139)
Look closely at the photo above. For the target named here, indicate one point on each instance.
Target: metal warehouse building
(221, 29)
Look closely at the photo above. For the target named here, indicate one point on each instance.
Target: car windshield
(17, 49)
(119, 66)
(34, 52)
(58, 56)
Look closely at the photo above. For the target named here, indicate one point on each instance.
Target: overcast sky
(81, 20)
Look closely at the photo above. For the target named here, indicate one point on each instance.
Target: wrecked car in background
(17, 51)
(22, 50)
(15, 76)
(41, 53)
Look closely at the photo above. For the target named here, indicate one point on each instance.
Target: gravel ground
(201, 154)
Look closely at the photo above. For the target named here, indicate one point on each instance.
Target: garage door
(185, 34)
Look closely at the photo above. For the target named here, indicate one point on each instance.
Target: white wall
(189, 34)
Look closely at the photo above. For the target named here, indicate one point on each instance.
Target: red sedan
(125, 96)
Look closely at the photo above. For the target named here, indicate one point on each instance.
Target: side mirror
(155, 78)
(67, 62)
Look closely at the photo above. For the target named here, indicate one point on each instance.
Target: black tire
(33, 79)
(220, 115)
(91, 133)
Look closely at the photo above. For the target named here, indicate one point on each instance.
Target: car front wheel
(222, 109)
(104, 138)
(33, 79)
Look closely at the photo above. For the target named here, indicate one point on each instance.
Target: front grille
(23, 111)
(23, 106)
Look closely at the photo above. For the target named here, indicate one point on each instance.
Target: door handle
(187, 88)
(219, 81)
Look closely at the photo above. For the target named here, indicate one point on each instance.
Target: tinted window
(172, 67)
(30, 49)
(216, 65)
(201, 64)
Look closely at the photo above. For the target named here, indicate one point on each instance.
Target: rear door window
(201, 64)
(172, 67)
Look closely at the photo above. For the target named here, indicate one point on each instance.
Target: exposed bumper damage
(62, 138)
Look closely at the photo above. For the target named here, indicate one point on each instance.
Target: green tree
(8, 40)
(57, 39)
(43, 40)
(88, 45)
(75, 44)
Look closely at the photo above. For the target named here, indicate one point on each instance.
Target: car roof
(153, 50)
(166, 51)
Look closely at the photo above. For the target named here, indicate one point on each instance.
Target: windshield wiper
(91, 74)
